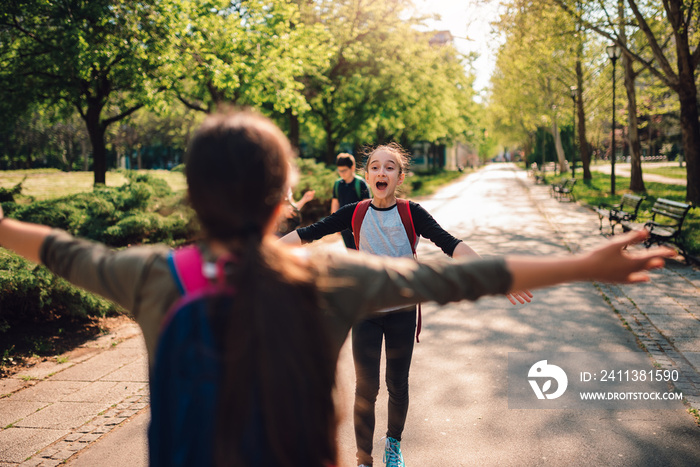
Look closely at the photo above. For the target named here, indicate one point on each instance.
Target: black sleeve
(336, 222)
(364, 190)
(427, 227)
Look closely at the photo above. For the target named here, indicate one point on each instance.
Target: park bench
(540, 173)
(622, 214)
(564, 189)
(666, 223)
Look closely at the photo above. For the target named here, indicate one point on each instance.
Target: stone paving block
(17, 444)
(667, 309)
(10, 385)
(676, 325)
(33, 462)
(693, 354)
(134, 371)
(63, 415)
(48, 391)
(89, 438)
(117, 336)
(11, 411)
(688, 344)
(133, 340)
(104, 391)
(44, 369)
(100, 365)
(51, 463)
(81, 354)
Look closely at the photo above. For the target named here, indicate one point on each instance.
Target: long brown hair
(275, 405)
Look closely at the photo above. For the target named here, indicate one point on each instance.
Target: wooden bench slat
(626, 211)
(665, 229)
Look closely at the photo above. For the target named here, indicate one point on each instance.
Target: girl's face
(384, 174)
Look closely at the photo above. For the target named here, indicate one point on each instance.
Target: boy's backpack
(357, 184)
(406, 219)
(187, 369)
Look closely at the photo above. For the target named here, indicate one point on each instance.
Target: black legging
(398, 329)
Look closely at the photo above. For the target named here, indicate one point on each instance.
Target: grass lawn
(597, 191)
(52, 183)
(672, 171)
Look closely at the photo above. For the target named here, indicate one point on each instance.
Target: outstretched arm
(23, 238)
(292, 238)
(305, 198)
(608, 263)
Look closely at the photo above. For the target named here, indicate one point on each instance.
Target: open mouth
(381, 185)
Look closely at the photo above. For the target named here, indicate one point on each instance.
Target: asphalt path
(459, 413)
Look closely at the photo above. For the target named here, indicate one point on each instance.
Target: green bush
(144, 210)
(31, 293)
(315, 176)
(8, 194)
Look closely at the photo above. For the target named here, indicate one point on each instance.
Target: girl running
(281, 332)
(383, 233)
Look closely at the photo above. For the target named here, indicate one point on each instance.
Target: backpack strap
(407, 220)
(186, 267)
(335, 188)
(357, 217)
(358, 187)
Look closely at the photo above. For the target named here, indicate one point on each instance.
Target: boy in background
(348, 189)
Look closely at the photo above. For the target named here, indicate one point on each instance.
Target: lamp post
(614, 53)
(574, 94)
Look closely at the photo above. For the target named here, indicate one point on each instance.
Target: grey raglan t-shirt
(351, 284)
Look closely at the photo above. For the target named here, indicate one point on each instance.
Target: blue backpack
(187, 369)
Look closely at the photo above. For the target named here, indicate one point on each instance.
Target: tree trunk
(563, 166)
(636, 180)
(96, 132)
(582, 141)
(294, 130)
(331, 144)
(690, 126)
(690, 130)
(86, 154)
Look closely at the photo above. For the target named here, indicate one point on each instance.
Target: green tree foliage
(535, 68)
(245, 53)
(384, 79)
(98, 57)
(670, 51)
(328, 72)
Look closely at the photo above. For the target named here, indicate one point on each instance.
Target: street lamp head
(574, 91)
(613, 52)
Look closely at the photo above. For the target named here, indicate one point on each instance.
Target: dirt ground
(29, 343)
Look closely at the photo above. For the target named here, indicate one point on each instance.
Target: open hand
(522, 297)
(612, 262)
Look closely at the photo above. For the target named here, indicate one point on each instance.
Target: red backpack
(406, 219)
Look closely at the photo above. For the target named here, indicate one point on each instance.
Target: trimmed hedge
(144, 210)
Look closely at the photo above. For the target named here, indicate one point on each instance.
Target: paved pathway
(459, 400)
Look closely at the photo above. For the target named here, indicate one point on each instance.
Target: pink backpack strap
(407, 220)
(357, 217)
(186, 267)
